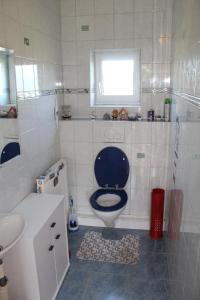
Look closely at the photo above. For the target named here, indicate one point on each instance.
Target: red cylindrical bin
(157, 210)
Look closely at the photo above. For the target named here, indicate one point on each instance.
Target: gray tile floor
(147, 280)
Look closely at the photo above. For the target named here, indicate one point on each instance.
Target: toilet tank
(54, 180)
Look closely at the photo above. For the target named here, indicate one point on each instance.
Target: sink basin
(11, 230)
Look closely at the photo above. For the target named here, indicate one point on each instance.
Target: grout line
(85, 289)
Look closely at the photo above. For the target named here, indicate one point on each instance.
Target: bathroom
(55, 117)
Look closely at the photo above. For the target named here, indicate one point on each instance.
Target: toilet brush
(72, 218)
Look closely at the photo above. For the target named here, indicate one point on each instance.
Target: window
(4, 80)
(115, 77)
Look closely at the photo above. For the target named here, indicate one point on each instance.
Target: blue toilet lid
(111, 168)
(9, 151)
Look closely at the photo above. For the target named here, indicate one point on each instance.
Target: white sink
(11, 230)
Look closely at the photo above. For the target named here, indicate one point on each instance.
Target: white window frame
(99, 100)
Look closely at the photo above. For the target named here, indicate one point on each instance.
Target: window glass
(115, 77)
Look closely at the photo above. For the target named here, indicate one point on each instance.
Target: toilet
(111, 171)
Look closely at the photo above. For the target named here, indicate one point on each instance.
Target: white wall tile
(83, 131)
(161, 5)
(83, 196)
(84, 153)
(140, 178)
(68, 8)
(68, 29)
(69, 56)
(104, 27)
(68, 151)
(82, 180)
(143, 25)
(143, 5)
(71, 174)
(146, 47)
(158, 103)
(162, 24)
(2, 29)
(84, 7)
(25, 11)
(13, 35)
(141, 133)
(125, 6)
(158, 178)
(123, 26)
(160, 133)
(83, 51)
(146, 103)
(104, 44)
(127, 43)
(140, 200)
(83, 76)
(70, 76)
(11, 8)
(162, 50)
(159, 156)
(104, 7)
(66, 131)
(147, 75)
(83, 103)
(71, 99)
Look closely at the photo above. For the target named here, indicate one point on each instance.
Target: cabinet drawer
(59, 236)
(45, 263)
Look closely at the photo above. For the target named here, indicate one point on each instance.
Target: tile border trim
(72, 91)
(194, 100)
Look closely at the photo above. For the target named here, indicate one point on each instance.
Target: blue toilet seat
(121, 193)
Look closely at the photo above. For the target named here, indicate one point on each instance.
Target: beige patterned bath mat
(123, 251)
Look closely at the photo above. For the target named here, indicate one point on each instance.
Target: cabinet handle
(53, 225)
(57, 237)
(51, 248)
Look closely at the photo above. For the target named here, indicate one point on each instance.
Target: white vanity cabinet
(37, 265)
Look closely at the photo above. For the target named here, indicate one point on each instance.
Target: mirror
(9, 133)
(7, 79)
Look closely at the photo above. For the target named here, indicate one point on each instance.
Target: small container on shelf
(151, 115)
(66, 112)
(123, 114)
(115, 114)
(167, 109)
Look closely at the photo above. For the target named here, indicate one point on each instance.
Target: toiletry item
(167, 109)
(139, 117)
(66, 112)
(93, 115)
(106, 116)
(158, 118)
(115, 114)
(40, 184)
(123, 114)
(72, 218)
(12, 113)
(3, 114)
(150, 115)
(132, 117)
